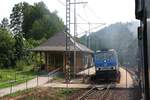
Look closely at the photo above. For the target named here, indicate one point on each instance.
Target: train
(142, 13)
(106, 64)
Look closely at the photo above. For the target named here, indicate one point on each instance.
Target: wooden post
(47, 59)
(40, 59)
(64, 61)
(54, 61)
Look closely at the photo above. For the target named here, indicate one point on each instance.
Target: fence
(9, 80)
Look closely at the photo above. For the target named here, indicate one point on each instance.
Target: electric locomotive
(106, 64)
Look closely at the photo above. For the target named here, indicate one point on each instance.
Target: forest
(119, 36)
(27, 27)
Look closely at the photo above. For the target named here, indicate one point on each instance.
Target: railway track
(96, 93)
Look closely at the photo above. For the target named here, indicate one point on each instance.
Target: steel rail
(99, 96)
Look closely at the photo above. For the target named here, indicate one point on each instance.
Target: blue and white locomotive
(106, 64)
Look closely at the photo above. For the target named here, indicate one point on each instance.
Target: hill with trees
(119, 36)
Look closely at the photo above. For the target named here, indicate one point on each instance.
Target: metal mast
(68, 43)
(68, 51)
(75, 34)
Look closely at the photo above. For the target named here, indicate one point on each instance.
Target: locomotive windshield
(104, 56)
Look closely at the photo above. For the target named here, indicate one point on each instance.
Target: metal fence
(23, 79)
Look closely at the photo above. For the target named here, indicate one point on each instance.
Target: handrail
(54, 71)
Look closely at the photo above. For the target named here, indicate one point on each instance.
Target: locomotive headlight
(114, 67)
(98, 68)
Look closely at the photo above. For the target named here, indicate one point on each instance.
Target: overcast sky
(95, 11)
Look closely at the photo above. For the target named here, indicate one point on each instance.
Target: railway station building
(54, 50)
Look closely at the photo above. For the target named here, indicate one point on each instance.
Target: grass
(60, 76)
(42, 94)
(66, 91)
(19, 93)
(12, 77)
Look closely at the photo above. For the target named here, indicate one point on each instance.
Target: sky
(94, 11)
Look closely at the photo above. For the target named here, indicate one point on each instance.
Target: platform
(88, 71)
(125, 82)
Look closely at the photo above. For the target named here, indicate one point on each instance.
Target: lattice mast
(68, 49)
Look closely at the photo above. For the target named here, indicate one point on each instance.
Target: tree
(16, 19)
(35, 21)
(43, 23)
(19, 47)
(5, 23)
(6, 48)
(118, 36)
(16, 26)
(46, 27)
(29, 16)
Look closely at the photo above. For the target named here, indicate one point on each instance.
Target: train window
(104, 55)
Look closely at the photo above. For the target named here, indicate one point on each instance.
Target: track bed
(112, 94)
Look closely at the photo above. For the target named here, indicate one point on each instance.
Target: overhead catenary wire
(92, 11)
(85, 20)
(67, 5)
(84, 32)
(78, 15)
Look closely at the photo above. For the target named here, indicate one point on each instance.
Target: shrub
(20, 65)
(66, 91)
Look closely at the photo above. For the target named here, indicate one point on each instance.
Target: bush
(6, 48)
(20, 65)
(66, 91)
(1, 77)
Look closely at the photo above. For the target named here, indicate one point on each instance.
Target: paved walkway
(41, 80)
(125, 81)
(121, 84)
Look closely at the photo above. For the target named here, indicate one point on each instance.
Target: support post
(46, 60)
(75, 34)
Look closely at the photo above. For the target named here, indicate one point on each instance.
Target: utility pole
(75, 34)
(67, 53)
(89, 35)
(68, 49)
(88, 47)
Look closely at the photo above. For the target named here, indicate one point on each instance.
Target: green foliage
(65, 91)
(5, 24)
(6, 48)
(118, 36)
(30, 25)
(37, 21)
(20, 65)
(16, 19)
(45, 27)
(30, 43)
(15, 77)
(19, 47)
(20, 92)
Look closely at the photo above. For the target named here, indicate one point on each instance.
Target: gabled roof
(58, 43)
